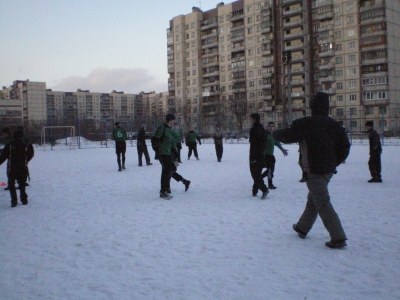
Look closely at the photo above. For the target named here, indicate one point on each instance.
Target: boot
(123, 166)
(270, 185)
(186, 183)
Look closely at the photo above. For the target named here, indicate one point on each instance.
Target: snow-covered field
(90, 232)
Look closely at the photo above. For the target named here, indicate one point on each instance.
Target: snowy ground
(90, 232)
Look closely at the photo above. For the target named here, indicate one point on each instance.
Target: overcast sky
(100, 45)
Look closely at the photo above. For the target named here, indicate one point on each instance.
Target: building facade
(272, 56)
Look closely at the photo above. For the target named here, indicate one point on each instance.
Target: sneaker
(149, 164)
(303, 180)
(301, 234)
(7, 189)
(120, 170)
(123, 167)
(188, 158)
(181, 162)
(140, 165)
(197, 158)
(264, 195)
(165, 195)
(186, 183)
(271, 187)
(26, 184)
(14, 204)
(254, 194)
(336, 244)
(24, 202)
(375, 180)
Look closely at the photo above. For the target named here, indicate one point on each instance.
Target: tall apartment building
(272, 56)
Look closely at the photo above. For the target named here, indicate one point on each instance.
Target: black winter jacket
(18, 154)
(258, 141)
(327, 143)
(375, 146)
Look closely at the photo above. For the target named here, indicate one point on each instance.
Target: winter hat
(255, 116)
(169, 117)
(319, 104)
(116, 123)
(369, 123)
(143, 126)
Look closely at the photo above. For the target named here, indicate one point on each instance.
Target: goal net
(52, 135)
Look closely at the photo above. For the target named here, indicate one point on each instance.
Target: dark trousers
(270, 164)
(219, 150)
(192, 147)
(168, 171)
(255, 170)
(374, 165)
(21, 179)
(319, 203)
(120, 149)
(179, 146)
(142, 149)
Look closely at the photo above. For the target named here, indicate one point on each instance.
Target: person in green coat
(191, 141)
(167, 153)
(269, 155)
(119, 136)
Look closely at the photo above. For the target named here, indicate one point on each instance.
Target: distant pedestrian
(142, 147)
(167, 153)
(178, 135)
(191, 138)
(375, 151)
(119, 136)
(326, 146)
(258, 142)
(18, 154)
(269, 155)
(6, 132)
(219, 147)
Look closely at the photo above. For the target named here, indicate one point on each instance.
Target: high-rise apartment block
(272, 56)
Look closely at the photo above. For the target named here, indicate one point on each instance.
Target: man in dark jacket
(167, 153)
(191, 141)
(375, 151)
(142, 147)
(258, 142)
(325, 147)
(219, 148)
(18, 154)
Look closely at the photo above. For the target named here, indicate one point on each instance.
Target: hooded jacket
(326, 142)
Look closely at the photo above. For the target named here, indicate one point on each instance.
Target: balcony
(238, 48)
(266, 97)
(328, 27)
(372, 4)
(209, 45)
(237, 17)
(299, 94)
(325, 40)
(329, 53)
(330, 78)
(211, 63)
(293, 35)
(332, 104)
(267, 63)
(366, 62)
(291, 12)
(266, 75)
(211, 83)
(288, 2)
(266, 29)
(328, 66)
(325, 16)
(215, 73)
(330, 91)
(375, 102)
(266, 86)
(208, 24)
(266, 52)
(237, 38)
(293, 23)
(171, 69)
(296, 46)
(212, 34)
(296, 82)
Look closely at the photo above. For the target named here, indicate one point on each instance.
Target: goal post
(66, 130)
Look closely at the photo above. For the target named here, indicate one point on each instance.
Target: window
(353, 97)
(251, 73)
(251, 83)
(193, 34)
(221, 19)
(250, 51)
(177, 38)
(339, 112)
(382, 110)
(352, 58)
(249, 20)
(250, 30)
(350, 6)
(336, 9)
(338, 34)
(350, 19)
(249, 9)
(369, 110)
(352, 84)
(352, 45)
(250, 41)
(338, 60)
(352, 71)
(339, 98)
(353, 111)
(351, 32)
(338, 47)
(193, 25)
(194, 72)
(353, 124)
(339, 73)
(337, 21)
(339, 85)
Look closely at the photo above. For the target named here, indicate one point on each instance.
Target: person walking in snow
(219, 148)
(375, 151)
(142, 147)
(119, 136)
(326, 146)
(167, 154)
(258, 141)
(269, 155)
(18, 154)
(191, 138)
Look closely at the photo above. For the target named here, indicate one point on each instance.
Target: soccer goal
(51, 134)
